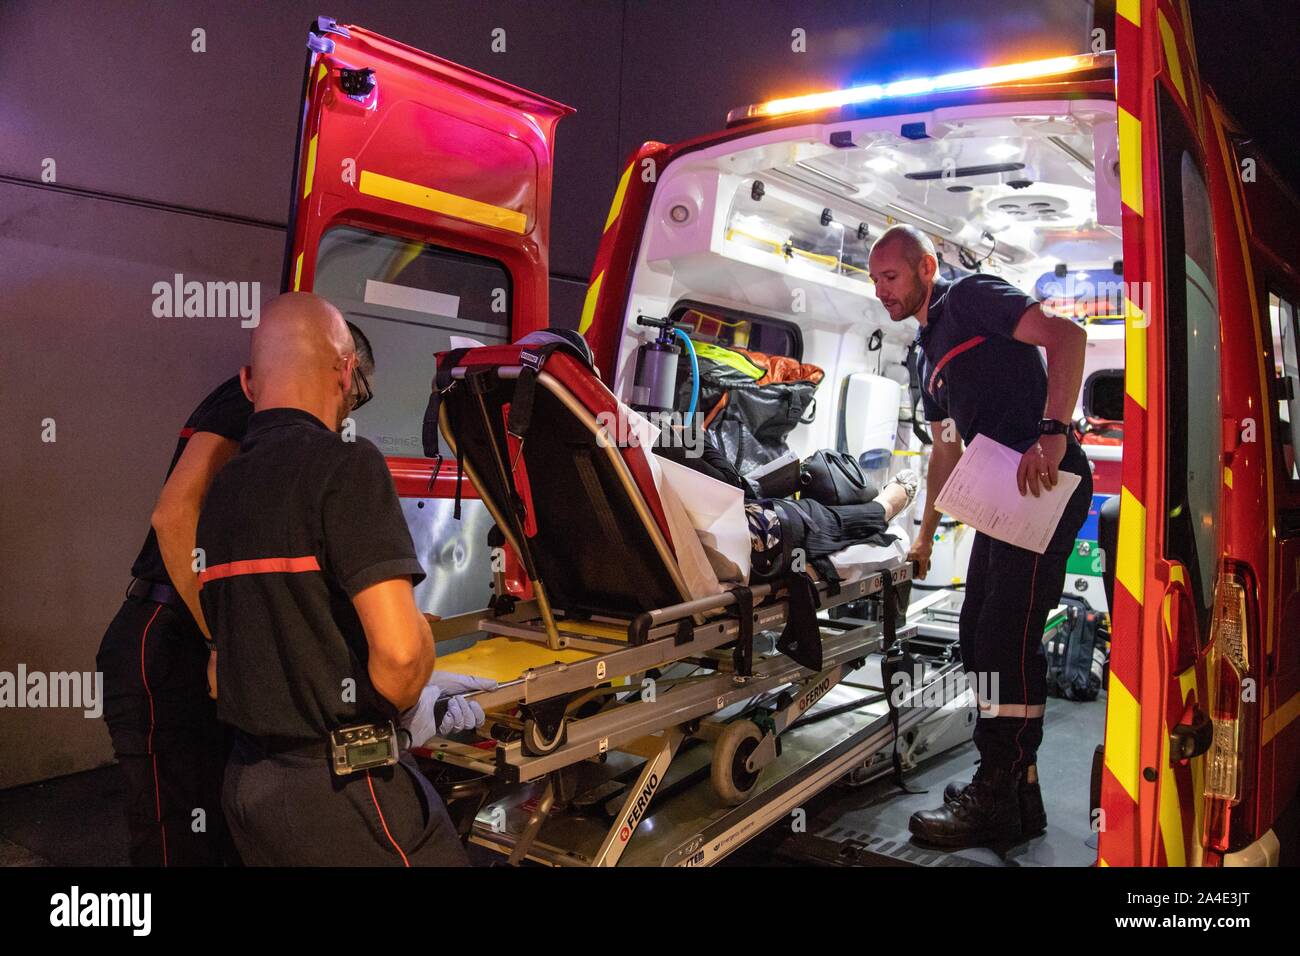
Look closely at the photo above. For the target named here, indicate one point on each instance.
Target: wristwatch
(1051, 426)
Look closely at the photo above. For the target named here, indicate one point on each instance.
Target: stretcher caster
(732, 780)
(537, 741)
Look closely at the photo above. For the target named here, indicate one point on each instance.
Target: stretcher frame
(656, 729)
(691, 631)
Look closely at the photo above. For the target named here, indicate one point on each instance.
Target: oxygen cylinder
(654, 386)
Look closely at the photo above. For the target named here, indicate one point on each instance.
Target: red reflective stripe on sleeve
(259, 566)
(951, 354)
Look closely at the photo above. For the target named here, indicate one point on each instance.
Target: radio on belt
(362, 746)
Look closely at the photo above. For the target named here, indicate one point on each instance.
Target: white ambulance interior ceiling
(763, 255)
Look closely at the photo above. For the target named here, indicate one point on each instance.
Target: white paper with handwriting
(982, 492)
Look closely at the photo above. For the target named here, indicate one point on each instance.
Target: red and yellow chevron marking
(1121, 773)
(1153, 808)
(601, 320)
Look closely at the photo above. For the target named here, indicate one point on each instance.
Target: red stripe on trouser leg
(382, 822)
(144, 677)
(1024, 683)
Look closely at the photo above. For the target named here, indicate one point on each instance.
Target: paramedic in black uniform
(308, 589)
(981, 373)
(156, 660)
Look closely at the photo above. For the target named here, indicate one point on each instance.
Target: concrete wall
(173, 161)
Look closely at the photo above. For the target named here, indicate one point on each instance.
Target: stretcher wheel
(731, 781)
(535, 741)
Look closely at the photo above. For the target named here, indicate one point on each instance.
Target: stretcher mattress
(506, 658)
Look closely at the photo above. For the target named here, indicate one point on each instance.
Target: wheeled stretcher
(613, 657)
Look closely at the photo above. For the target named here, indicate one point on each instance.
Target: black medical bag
(1078, 653)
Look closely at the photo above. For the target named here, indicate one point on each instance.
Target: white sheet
(859, 560)
(710, 533)
(697, 572)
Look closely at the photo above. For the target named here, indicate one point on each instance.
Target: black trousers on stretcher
(289, 809)
(1009, 593)
(778, 527)
(169, 745)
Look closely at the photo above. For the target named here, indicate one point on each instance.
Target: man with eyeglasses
(156, 655)
(325, 662)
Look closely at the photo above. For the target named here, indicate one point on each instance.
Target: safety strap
(828, 573)
(914, 392)
(948, 356)
(478, 380)
(521, 406)
(442, 381)
(801, 639)
(890, 665)
(743, 655)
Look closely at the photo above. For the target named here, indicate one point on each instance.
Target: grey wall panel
(115, 96)
(84, 349)
(566, 302)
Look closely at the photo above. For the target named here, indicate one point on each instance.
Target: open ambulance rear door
(1196, 557)
(421, 208)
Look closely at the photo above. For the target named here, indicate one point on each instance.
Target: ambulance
(1112, 185)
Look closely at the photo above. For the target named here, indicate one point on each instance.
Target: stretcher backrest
(581, 509)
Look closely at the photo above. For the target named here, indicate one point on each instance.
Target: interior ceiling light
(1002, 150)
(848, 188)
(881, 164)
(988, 169)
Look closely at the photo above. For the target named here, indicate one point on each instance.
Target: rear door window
(1194, 452)
(409, 298)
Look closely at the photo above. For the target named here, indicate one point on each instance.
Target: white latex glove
(452, 684)
(462, 713)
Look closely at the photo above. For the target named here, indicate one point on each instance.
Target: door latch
(1192, 737)
(357, 83)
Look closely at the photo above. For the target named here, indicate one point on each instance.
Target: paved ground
(77, 820)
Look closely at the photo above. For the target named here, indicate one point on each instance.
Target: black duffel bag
(834, 478)
(750, 401)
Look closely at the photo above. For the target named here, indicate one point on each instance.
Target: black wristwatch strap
(1052, 426)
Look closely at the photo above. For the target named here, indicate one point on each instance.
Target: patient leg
(818, 529)
(898, 493)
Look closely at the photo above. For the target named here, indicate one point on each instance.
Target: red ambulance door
(421, 208)
(1176, 520)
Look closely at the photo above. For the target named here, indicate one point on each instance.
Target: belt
(143, 590)
(273, 746)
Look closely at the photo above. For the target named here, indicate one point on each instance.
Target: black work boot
(1033, 815)
(985, 813)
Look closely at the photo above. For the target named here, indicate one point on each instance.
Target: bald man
(159, 673)
(321, 649)
(981, 373)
